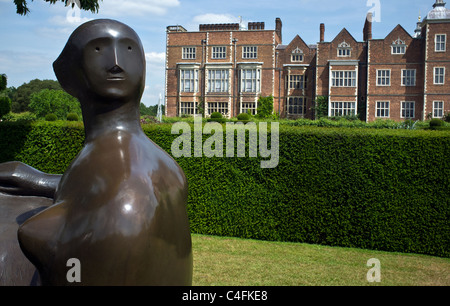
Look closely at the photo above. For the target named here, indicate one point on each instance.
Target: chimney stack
(322, 32)
(278, 28)
(367, 32)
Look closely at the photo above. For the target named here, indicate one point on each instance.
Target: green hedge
(47, 146)
(366, 188)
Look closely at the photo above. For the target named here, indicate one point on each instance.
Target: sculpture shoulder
(122, 149)
(124, 161)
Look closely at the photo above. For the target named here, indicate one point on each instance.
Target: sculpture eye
(97, 49)
(129, 48)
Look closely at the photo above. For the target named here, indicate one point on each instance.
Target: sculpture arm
(17, 178)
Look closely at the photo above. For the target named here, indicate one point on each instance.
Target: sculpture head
(104, 60)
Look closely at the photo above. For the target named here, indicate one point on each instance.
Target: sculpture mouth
(116, 79)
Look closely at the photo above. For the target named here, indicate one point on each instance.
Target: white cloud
(136, 7)
(157, 58)
(70, 20)
(216, 18)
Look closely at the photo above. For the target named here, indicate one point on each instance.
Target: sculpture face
(103, 59)
(113, 64)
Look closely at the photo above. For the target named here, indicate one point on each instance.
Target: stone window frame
(219, 52)
(300, 107)
(406, 107)
(438, 110)
(383, 109)
(387, 78)
(440, 43)
(412, 76)
(344, 49)
(435, 75)
(398, 47)
(250, 52)
(189, 53)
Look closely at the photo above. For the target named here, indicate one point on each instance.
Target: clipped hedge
(47, 146)
(366, 188)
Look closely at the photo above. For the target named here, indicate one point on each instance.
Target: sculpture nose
(116, 69)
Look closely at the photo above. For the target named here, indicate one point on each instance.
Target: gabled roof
(394, 34)
(296, 42)
(344, 32)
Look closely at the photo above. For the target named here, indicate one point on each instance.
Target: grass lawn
(224, 261)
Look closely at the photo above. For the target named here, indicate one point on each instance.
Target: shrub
(147, 119)
(447, 117)
(436, 122)
(51, 117)
(408, 124)
(243, 117)
(72, 117)
(25, 116)
(216, 115)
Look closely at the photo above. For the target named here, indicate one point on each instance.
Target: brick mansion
(226, 68)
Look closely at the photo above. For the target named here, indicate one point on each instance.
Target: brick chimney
(322, 32)
(278, 28)
(367, 31)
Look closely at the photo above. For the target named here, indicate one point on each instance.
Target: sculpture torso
(124, 211)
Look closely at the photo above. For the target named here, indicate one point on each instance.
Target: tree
(56, 102)
(5, 106)
(265, 107)
(87, 5)
(151, 110)
(21, 96)
(3, 82)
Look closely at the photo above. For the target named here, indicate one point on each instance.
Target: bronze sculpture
(120, 208)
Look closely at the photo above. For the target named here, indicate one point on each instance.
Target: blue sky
(30, 44)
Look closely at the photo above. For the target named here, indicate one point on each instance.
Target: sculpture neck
(99, 121)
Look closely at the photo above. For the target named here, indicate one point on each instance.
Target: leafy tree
(5, 106)
(144, 110)
(3, 82)
(21, 96)
(56, 102)
(265, 107)
(151, 110)
(87, 5)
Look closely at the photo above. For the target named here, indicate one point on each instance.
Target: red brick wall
(371, 56)
(434, 59)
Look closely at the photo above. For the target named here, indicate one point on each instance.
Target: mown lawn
(223, 261)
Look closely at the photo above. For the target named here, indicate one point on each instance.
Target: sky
(30, 44)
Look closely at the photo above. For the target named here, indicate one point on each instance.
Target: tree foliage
(21, 96)
(151, 110)
(5, 106)
(321, 107)
(265, 107)
(56, 102)
(3, 82)
(87, 5)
